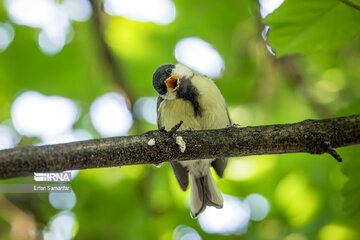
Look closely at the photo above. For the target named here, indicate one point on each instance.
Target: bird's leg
(233, 125)
(158, 165)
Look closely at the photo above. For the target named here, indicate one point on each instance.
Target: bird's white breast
(174, 111)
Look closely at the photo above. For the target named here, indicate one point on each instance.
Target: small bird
(187, 96)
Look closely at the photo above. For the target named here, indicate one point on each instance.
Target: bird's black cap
(161, 74)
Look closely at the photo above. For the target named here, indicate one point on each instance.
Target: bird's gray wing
(219, 164)
(159, 100)
(181, 173)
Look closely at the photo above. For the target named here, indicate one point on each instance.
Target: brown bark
(309, 136)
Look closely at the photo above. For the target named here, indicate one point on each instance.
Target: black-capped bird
(187, 96)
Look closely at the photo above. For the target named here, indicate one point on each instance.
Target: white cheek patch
(182, 71)
(169, 96)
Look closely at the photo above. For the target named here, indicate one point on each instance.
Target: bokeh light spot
(233, 218)
(271, 228)
(250, 167)
(336, 232)
(35, 13)
(327, 89)
(78, 10)
(259, 206)
(34, 114)
(268, 6)
(241, 169)
(110, 115)
(200, 56)
(61, 226)
(158, 11)
(63, 201)
(6, 35)
(183, 232)
(68, 136)
(145, 109)
(8, 137)
(51, 44)
(296, 236)
(297, 198)
(52, 17)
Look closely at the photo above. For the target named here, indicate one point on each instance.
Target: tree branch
(309, 136)
(110, 63)
(351, 4)
(109, 60)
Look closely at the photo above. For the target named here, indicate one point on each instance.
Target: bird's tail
(204, 193)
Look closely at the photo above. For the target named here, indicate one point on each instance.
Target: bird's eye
(168, 70)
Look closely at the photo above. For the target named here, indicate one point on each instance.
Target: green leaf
(311, 25)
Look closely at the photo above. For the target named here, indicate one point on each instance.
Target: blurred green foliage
(144, 202)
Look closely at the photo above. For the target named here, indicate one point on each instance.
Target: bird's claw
(158, 165)
(172, 131)
(234, 125)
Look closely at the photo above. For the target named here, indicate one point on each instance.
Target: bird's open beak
(172, 83)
